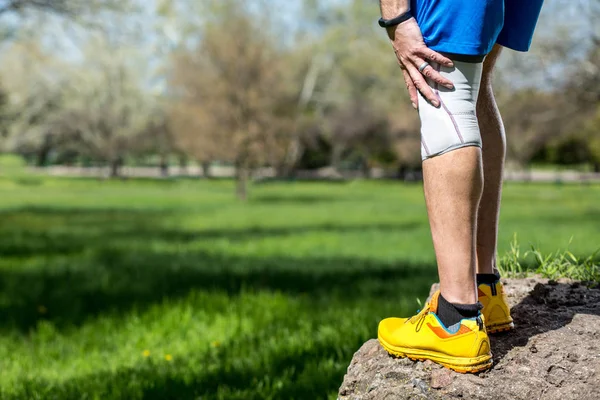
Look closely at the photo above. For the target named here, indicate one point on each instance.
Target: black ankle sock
(488, 279)
(451, 314)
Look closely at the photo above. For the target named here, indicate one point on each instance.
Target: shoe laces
(419, 319)
(480, 324)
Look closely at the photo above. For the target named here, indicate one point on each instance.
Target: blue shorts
(472, 27)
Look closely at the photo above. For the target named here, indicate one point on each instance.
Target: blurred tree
(33, 84)
(196, 137)
(71, 8)
(97, 108)
(35, 72)
(572, 129)
(354, 71)
(156, 139)
(584, 93)
(529, 119)
(247, 84)
(107, 112)
(359, 130)
(5, 115)
(404, 128)
(547, 95)
(235, 101)
(20, 18)
(592, 134)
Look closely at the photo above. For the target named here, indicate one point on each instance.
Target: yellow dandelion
(215, 344)
(42, 310)
(146, 353)
(168, 357)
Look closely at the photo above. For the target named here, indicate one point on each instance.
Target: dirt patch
(554, 353)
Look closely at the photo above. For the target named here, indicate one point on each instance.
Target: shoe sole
(459, 364)
(497, 328)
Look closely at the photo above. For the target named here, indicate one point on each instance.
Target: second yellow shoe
(496, 311)
(464, 347)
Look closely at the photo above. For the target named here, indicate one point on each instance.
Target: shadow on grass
(294, 180)
(300, 199)
(111, 276)
(116, 280)
(54, 231)
(44, 231)
(237, 370)
(586, 214)
(80, 264)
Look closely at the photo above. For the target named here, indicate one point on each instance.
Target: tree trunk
(528, 174)
(402, 172)
(284, 171)
(115, 167)
(366, 168)
(294, 153)
(336, 156)
(597, 167)
(206, 169)
(241, 188)
(44, 152)
(183, 164)
(164, 166)
(42, 157)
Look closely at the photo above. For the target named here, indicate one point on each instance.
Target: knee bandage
(453, 124)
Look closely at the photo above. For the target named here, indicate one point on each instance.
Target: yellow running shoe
(464, 347)
(495, 307)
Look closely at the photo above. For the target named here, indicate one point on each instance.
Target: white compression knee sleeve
(454, 124)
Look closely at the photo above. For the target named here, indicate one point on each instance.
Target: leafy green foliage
(554, 265)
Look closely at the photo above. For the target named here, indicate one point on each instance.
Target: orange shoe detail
(444, 334)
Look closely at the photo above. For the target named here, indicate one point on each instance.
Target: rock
(441, 378)
(554, 353)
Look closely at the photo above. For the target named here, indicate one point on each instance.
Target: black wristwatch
(386, 23)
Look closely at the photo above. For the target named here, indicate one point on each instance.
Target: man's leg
(494, 150)
(453, 185)
(491, 293)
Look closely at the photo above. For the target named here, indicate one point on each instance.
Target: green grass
(555, 265)
(147, 289)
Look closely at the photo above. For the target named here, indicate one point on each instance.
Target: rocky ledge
(554, 353)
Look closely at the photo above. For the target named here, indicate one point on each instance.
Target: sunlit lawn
(174, 290)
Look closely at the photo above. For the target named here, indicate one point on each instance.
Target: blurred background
(216, 199)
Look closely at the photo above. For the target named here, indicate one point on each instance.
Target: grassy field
(174, 290)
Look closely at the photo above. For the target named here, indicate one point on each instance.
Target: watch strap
(386, 23)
